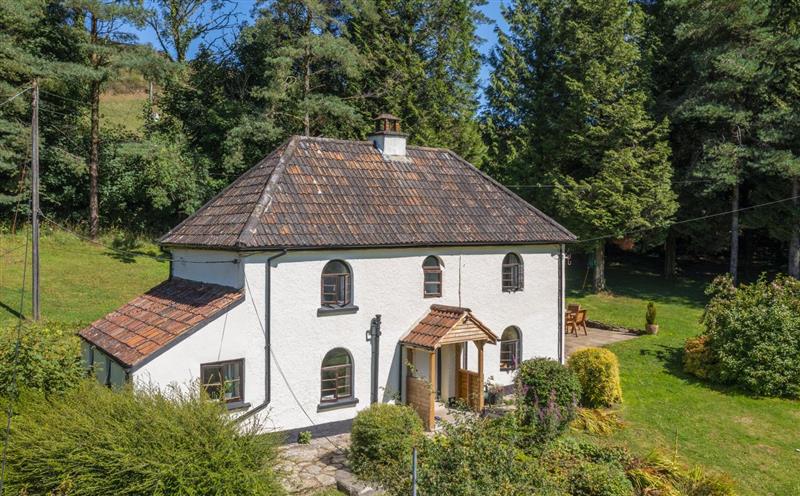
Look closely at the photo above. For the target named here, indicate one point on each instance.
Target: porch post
(409, 361)
(432, 376)
(458, 370)
(480, 344)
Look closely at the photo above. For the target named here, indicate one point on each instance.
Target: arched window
(336, 284)
(513, 273)
(432, 271)
(510, 349)
(337, 376)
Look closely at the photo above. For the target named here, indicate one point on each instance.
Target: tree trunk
(670, 257)
(734, 261)
(794, 241)
(94, 151)
(307, 77)
(600, 267)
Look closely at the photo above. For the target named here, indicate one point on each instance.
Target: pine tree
(569, 99)
(108, 47)
(424, 66)
(727, 41)
(306, 60)
(779, 123)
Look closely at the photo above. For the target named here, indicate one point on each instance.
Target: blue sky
(485, 31)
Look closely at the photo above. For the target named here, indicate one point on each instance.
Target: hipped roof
(320, 193)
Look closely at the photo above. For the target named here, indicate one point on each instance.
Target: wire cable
(126, 252)
(15, 96)
(693, 219)
(14, 358)
(278, 366)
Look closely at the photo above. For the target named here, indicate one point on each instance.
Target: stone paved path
(308, 468)
(595, 338)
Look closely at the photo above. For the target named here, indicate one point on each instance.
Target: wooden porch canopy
(441, 326)
(447, 325)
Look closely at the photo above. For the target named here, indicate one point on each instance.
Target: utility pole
(35, 200)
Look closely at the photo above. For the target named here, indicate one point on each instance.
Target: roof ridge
(513, 195)
(247, 234)
(223, 191)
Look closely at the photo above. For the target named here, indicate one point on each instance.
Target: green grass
(755, 441)
(80, 282)
(125, 110)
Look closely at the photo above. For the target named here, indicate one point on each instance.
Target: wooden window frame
(432, 270)
(343, 287)
(347, 369)
(515, 352)
(515, 280)
(221, 365)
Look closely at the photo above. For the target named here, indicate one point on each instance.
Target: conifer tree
(424, 66)
(108, 46)
(568, 103)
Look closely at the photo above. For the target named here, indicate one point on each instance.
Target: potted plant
(494, 392)
(650, 319)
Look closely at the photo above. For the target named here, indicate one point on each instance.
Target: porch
(437, 371)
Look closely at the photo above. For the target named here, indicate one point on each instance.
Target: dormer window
(513, 274)
(336, 285)
(432, 272)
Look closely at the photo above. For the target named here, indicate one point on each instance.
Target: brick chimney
(387, 136)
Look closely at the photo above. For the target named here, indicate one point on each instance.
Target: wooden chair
(570, 323)
(573, 308)
(580, 322)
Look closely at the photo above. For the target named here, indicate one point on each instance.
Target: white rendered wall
(386, 282)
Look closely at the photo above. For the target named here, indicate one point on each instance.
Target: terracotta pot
(651, 328)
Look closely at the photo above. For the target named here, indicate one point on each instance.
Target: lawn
(756, 441)
(80, 282)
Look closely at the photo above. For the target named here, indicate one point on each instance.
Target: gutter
(267, 340)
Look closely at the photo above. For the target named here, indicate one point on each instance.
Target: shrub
(754, 334)
(597, 370)
(599, 479)
(699, 359)
(94, 441)
(650, 315)
(381, 441)
(659, 474)
(539, 380)
(304, 437)
(595, 421)
(48, 359)
(477, 457)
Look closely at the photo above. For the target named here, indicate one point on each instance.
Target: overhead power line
(693, 219)
(126, 252)
(15, 96)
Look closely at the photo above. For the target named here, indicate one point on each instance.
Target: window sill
(335, 405)
(322, 311)
(512, 290)
(237, 405)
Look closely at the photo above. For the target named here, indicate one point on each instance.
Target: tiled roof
(318, 193)
(440, 322)
(154, 320)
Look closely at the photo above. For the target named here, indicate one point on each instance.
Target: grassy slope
(753, 440)
(79, 281)
(125, 110)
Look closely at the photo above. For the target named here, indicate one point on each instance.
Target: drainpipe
(267, 339)
(374, 338)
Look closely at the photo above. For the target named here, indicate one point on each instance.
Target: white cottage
(338, 273)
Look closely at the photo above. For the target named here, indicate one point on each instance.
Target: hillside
(80, 281)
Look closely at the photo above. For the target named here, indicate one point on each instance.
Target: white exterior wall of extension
(386, 282)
